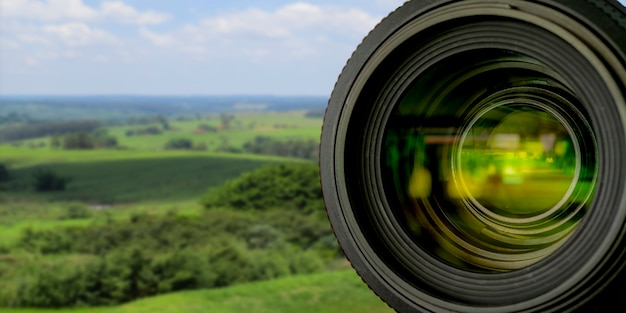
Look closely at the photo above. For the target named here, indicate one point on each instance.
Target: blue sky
(182, 47)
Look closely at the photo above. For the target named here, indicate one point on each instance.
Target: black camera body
(472, 156)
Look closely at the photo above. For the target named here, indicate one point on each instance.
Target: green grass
(127, 181)
(113, 176)
(280, 126)
(336, 292)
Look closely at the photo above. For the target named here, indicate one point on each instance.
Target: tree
(287, 186)
(80, 140)
(226, 120)
(179, 144)
(47, 180)
(55, 141)
(164, 123)
(4, 173)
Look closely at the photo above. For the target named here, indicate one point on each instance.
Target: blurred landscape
(168, 204)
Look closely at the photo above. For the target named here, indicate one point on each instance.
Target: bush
(201, 146)
(48, 241)
(305, 149)
(47, 180)
(56, 287)
(77, 211)
(263, 236)
(121, 261)
(181, 270)
(80, 140)
(289, 186)
(4, 173)
(179, 144)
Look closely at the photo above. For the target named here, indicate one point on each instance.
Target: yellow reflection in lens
(523, 166)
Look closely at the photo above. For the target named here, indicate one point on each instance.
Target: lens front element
(493, 166)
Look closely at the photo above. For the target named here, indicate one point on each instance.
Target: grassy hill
(141, 188)
(336, 292)
(109, 176)
(125, 182)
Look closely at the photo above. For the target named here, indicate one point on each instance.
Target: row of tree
(30, 131)
(84, 140)
(304, 149)
(14, 118)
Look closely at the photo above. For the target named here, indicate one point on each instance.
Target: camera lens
(472, 154)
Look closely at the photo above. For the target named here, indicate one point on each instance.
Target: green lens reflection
(524, 166)
(490, 167)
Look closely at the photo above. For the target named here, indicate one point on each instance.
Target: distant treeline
(315, 113)
(14, 118)
(29, 131)
(84, 140)
(304, 149)
(122, 107)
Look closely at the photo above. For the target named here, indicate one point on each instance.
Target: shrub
(54, 287)
(47, 180)
(80, 140)
(201, 146)
(289, 186)
(181, 270)
(77, 211)
(179, 144)
(48, 241)
(4, 173)
(263, 236)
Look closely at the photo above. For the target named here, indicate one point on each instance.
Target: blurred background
(161, 156)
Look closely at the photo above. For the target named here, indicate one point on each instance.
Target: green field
(124, 182)
(244, 127)
(111, 188)
(337, 292)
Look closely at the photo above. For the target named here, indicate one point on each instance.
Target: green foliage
(150, 130)
(77, 211)
(207, 128)
(47, 129)
(4, 173)
(262, 236)
(289, 186)
(80, 140)
(305, 149)
(56, 142)
(179, 144)
(226, 120)
(315, 114)
(47, 180)
(152, 254)
(46, 241)
(102, 139)
(334, 292)
(201, 146)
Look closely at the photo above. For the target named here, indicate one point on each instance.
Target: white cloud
(156, 39)
(119, 11)
(76, 10)
(290, 20)
(51, 10)
(79, 34)
(296, 30)
(390, 3)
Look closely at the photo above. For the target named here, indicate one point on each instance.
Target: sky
(181, 47)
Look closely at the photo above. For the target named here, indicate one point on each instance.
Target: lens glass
(522, 166)
(490, 166)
